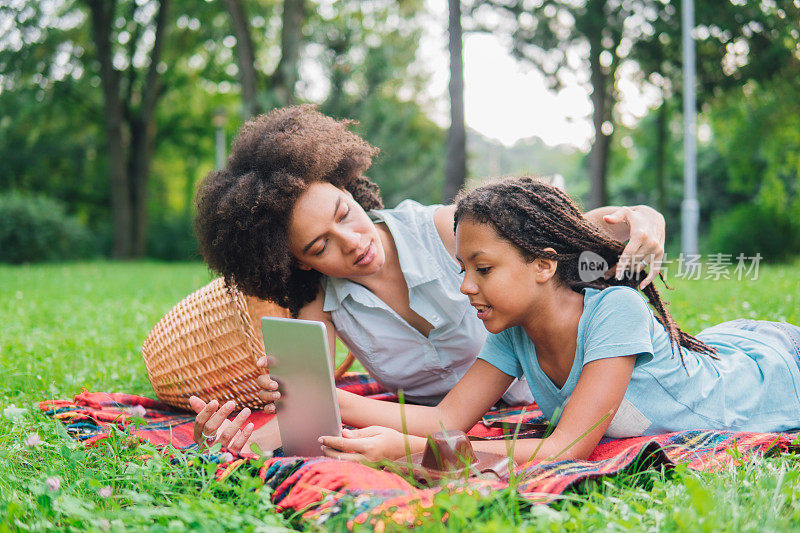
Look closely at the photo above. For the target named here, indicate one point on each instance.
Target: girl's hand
(269, 387)
(211, 426)
(369, 444)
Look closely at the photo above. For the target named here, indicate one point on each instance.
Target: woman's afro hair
(243, 210)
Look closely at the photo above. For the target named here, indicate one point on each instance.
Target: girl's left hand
(372, 443)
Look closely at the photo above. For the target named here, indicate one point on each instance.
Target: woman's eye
(483, 270)
(322, 249)
(462, 270)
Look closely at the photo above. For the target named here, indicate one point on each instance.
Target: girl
(591, 350)
(292, 219)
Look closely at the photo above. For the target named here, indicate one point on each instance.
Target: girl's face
(330, 232)
(503, 287)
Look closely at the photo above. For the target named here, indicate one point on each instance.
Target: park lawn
(69, 326)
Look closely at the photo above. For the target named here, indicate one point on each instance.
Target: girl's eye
(322, 249)
(483, 270)
(462, 270)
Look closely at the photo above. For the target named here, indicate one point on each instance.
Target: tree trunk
(285, 76)
(102, 14)
(245, 55)
(601, 112)
(143, 130)
(455, 173)
(129, 133)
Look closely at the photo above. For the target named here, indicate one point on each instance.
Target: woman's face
(330, 232)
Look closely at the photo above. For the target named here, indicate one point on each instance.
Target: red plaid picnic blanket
(90, 416)
(320, 484)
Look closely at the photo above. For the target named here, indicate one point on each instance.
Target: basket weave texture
(207, 346)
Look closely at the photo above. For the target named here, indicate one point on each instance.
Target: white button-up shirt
(396, 354)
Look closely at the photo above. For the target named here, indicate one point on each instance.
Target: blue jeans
(783, 333)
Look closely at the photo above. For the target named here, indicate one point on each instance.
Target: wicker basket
(207, 346)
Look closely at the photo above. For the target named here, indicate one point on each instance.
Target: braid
(533, 216)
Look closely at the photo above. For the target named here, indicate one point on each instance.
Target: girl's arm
(464, 405)
(598, 393)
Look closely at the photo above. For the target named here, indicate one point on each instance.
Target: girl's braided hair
(533, 215)
(243, 210)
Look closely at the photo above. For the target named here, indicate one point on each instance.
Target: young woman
(293, 219)
(592, 352)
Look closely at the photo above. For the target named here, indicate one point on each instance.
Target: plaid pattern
(323, 485)
(699, 450)
(90, 416)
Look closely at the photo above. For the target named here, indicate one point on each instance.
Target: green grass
(68, 326)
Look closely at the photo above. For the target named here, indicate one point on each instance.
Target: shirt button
(436, 318)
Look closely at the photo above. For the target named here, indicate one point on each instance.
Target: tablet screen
(301, 365)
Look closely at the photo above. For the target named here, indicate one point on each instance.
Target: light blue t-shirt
(753, 386)
(394, 353)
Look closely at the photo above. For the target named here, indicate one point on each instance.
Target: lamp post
(219, 121)
(690, 208)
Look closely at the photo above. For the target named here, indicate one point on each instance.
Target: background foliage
(360, 60)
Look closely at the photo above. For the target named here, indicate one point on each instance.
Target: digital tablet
(307, 408)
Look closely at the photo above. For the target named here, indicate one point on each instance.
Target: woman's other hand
(268, 387)
(211, 425)
(372, 443)
(645, 247)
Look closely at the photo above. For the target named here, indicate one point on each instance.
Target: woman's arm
(313, 311)
(644, 229)
(443, 219)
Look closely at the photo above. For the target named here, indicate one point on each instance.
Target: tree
(129, 102)
(746, 53)
(367, 52)
(566, 39)
(737, 43)
(455, 173)
(81, 85)
(278, 89)
(245, 56)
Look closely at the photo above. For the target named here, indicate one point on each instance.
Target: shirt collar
(416, 263)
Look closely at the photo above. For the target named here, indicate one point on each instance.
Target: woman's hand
(646, 236)
(269, 387)
(211, 426)
(373, 444)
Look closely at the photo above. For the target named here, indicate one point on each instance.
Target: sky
(508, 100)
